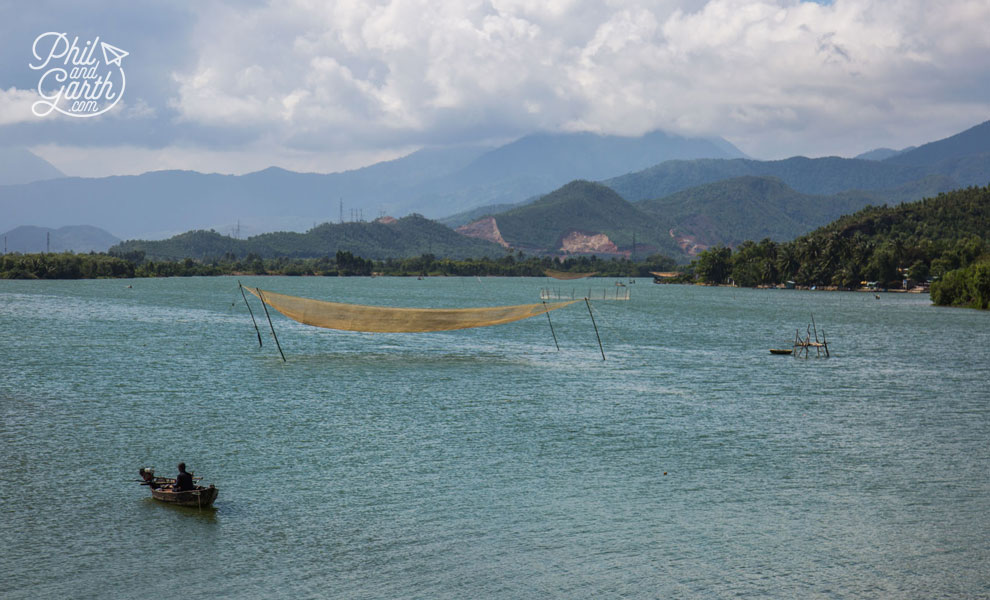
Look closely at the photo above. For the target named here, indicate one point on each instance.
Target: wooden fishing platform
(805, 345)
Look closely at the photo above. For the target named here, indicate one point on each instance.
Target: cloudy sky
(314, 85)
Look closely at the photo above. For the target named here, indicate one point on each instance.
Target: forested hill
(580, 210)
(917, 240)
(746, 208)
(822, 176)
(944, 219)
(379, 240)
(726, 212)
(920, 239)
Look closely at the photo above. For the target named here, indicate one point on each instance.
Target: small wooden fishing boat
(161, 489)
(781, 350)
(201, 497)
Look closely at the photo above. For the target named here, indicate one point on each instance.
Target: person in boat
(184, 480)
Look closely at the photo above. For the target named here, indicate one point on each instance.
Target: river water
(485, 463)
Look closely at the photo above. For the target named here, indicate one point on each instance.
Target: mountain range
(675, 206)
(591, 218)
(680, 208)
(431, 182)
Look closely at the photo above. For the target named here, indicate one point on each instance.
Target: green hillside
(917, 240)
(745, 208)
(191, 244)
(943, 220)
(463, 218)
(726, 213)
(926, 187)
(402, 238)
(585, 207)
(822, 176)
(731, 211)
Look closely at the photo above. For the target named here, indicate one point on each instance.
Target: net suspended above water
(566, 275)
(383, 319)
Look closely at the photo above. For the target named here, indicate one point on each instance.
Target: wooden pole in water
(265, 305)
(818, 348)
(551, 328)
(596, 328)
(258, 331)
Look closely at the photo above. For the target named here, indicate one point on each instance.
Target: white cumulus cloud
(298, 80)
(776, 76)
(15, 106)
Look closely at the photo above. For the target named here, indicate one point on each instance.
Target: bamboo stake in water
(596, 328)
(265, 305)
(551, 328)
(243, 295)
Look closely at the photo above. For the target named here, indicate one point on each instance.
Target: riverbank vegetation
(942, 240)
(133, 264)
(968, 287)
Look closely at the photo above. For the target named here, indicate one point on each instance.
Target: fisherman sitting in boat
(184, 480)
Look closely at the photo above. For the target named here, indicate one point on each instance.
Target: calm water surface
(484, 463)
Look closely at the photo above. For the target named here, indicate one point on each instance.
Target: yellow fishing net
(382, 319)
(567, 275)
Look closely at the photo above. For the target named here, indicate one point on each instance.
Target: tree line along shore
(966, 286)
